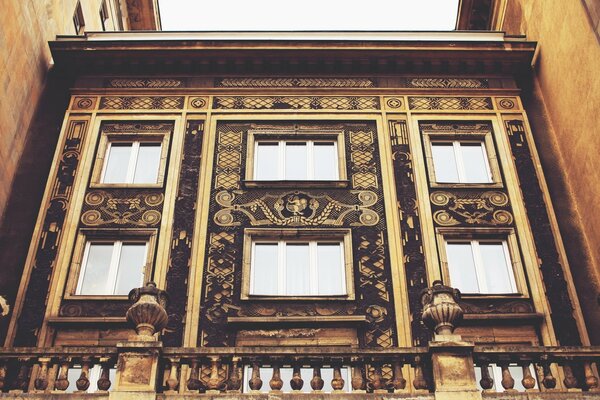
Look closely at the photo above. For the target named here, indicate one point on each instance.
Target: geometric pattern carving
(141, 102)
(410, 225)
(34, 304)
(450, 103)
(470, 207)
(232, 209)
(152, 83)
(296, 103)
(121, 208)
(295, 82)
(83, 103)
(497, 306)
(183, 233)
(448, 83)
(555, 283)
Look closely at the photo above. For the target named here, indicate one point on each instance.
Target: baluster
(508, 383)
(528, 380)
(83, 383)
(398, 383)
(570, 380)
(22, 381)
(337, 383)
(255, 383)
(173, 380)
(193, 383)
(316, 383)
(419, 382)
(486, 381)
(214, 383)
(234, 383)
(296, 382)
(2, 375)
(62, 383)
(376, 382)
(104, 382)
(358, 381)
(549, 381)
(276, 383)
(41, 382)
(591, 381)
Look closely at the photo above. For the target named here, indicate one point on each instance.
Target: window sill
(533, 317)
(246, 297)
(449, 185)
(107, 297)
(339, 184)
(492, 296)
(85, 320)
(126, 186)
(346, 319)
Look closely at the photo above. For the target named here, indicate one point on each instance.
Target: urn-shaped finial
(148, 312)
(441, 311)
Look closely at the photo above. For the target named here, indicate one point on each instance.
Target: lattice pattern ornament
(450, 103)
(295, 82)
(34, 304)
(449, 83)
(359, 208)
(152, 83)
(295, 103)
(141, 103)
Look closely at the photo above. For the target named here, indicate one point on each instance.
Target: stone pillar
(451, 357)
(137, 365)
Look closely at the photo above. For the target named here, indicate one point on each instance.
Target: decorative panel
(359, 208)
(141, 102)
(295, 103)
(34, 302)
(555, 283)
(295, 82)
(410, 225)
(183, 233)
(448, 83)
(151, 83)
(450, 103)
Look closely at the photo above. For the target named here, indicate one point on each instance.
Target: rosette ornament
(148, 311)
(441, 311)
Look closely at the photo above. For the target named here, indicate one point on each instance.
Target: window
(112, 267)
(78, 21)
(481, 260)
(296, 160)
(103, 14)
(297, 263)
(460, 162)
(132, 162)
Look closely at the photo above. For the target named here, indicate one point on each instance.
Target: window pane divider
(135, 148)
(281, 268)
(313, 273)
(460, 166)
(111, 282)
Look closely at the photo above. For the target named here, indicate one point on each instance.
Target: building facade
(299, 200)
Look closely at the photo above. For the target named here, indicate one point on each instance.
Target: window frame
(314, 136)
(511, 248)
(104, 146)
(104, 14)
(252, 236)
(88, 236)
(78, 19)
(456, 137)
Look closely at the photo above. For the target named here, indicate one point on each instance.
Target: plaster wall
(26, 26)
(563, 106)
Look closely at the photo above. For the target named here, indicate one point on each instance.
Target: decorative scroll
(295, 82)
(450, 103)
(83, 103)
(152, 83)
(448, 83)
(34, 304)
(120, 208)
(296, 208)
(555, 283)
(359, 207)
(471, 208)
(497, 306)
(183, 233)
(137, 127)
(410, 225)
(295, 103)
(141, 103)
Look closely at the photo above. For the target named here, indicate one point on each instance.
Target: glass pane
(462, 267)
(295, 161)
(267, 162)
(117, 163)
(498, 271)
(476, 169)
(96, 269)
(297, 281)
(264, 269)
(148, 162)
(329, 265)
(444, 162)
(325, 161)
(131, 267)
(287, 373)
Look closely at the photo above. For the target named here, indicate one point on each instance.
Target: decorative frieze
(141, 102)
(296, 103)
(151, 83)
(450, 103)
(295, 82)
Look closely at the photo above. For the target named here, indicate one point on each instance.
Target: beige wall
(566, 118)
(26, 26)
